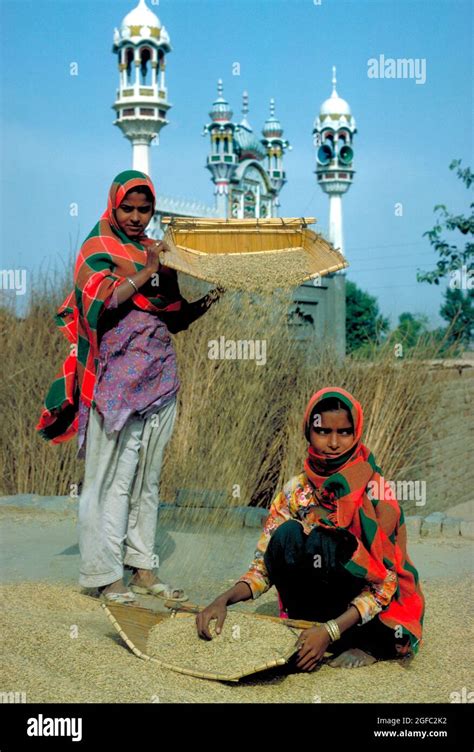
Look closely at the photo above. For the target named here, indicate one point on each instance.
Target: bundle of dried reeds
(245, 381)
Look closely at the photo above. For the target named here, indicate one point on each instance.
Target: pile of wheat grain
(246, 643)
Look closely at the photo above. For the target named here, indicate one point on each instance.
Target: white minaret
(333, 130)
(141, 45)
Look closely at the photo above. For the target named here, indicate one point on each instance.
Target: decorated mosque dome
(221, 112)
(248, 143)
(272, 127)
(141, 23)
(335, 106)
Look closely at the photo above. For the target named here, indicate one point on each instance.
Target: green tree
(453, 261)
(410, 328)
(364, 323)
(458, 311)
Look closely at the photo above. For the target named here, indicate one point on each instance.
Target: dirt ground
(58, 645)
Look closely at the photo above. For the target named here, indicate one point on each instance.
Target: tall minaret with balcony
(275, 145)
(141, 45)
(222, 158)
(333, 131)
(322, 302)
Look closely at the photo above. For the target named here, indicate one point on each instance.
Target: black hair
(330, 404)
(142, 189)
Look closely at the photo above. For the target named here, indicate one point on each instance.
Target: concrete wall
(321, 316)
(450, 467)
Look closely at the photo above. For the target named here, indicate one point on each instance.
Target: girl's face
(134, 213)
(331, 433)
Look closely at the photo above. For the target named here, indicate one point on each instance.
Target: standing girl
(117, 389)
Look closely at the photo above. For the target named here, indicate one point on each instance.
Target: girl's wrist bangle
(132, 283)
(333, 630)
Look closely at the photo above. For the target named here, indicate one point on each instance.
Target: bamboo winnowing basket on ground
(133, 623)
(249, 254)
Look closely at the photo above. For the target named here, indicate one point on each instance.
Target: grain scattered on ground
(58, 646)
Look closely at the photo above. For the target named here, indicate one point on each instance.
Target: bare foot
(352, 658)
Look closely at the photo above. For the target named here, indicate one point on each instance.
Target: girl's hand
(153, 255)
(216, 610)
(214, 295)
(313, 643)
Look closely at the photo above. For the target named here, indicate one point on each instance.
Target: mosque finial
(220, 87)
(245, 103)
(334, 80)
(272, 107)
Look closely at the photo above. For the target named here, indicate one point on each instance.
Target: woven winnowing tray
(250, 254)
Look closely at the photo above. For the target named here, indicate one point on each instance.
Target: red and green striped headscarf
(377, 523)
(105, 259)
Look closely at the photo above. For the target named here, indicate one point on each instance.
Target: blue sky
(59, 145)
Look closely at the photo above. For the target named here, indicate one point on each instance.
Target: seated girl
(335, 549)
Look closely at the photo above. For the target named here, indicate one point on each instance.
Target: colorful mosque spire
(246, 170)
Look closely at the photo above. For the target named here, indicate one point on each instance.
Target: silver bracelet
(132, 283)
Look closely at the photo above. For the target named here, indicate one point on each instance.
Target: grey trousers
(118, 505)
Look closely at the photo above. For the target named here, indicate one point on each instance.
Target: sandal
(161, 590)
(126, 597)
